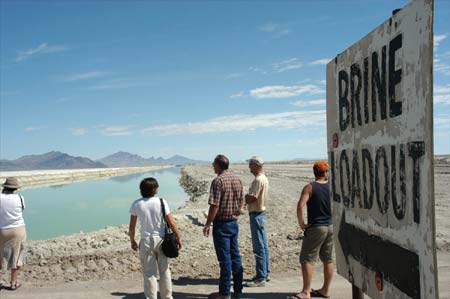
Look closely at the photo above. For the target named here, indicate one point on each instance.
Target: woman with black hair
(148, 210)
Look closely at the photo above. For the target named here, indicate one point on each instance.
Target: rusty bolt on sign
(335, 140)
(379, 280)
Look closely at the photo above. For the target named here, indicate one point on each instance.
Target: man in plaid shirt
(226, 199)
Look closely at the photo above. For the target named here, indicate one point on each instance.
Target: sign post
(380, 149)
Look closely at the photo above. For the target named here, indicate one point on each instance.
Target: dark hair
(222, 161)
(318, 173)
(8, 190)
(148, 187)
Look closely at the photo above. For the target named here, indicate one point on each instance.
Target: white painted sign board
(380, 148)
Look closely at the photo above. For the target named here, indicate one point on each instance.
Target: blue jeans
(260, 248)
(225, 235)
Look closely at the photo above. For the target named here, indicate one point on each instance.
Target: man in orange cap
(318, 239)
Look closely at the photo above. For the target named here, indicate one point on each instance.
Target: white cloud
(278, 67)
(438, 38)
(285, 91)
(322, 141)
(43, 48)
(286, 65)
(442, 122)
(257, 70)
(242, 122)
(442, 67)
(302, 103)
(118, 84)
(441, 89)
(275, 30)
(442, 99)
(238, 95)
(322, 61)
(116, 130)
(86, 75)
(441, 94)
(79, 131)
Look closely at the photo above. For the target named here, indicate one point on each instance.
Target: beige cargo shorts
(318, 241)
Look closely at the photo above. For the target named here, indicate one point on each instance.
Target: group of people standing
(227, 201)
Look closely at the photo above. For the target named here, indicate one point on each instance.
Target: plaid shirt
(227, 193)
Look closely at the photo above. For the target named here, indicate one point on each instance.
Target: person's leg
(265, 243)
(314, 238)
(307, 272)
(326, 256)
(328, 270)
(14, 276)
(165, 276)
(18, 236)
(236, 261)
(258, 247)
(149, 268)
(221, 237)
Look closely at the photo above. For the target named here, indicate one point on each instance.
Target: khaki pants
(153, 261)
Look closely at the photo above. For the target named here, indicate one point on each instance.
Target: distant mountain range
(50, 160)
(125, 159)
(58, 160)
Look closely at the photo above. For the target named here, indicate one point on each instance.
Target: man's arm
(173, 225)
(132, 232)
(215, 194)
(212, 213)
(253, 192)
(304, 197)
(250, 198)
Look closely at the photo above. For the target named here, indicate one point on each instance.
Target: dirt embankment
(106, 254)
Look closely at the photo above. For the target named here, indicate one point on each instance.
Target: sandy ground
(101, 265)
(281, 286)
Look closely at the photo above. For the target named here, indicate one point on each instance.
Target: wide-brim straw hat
(12, 183)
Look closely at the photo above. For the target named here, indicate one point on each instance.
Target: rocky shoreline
(106, 254)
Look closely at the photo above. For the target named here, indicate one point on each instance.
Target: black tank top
(319, 206)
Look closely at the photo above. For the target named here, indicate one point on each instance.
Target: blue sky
(192, 78)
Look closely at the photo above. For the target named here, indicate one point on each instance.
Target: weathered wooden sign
(380, 148)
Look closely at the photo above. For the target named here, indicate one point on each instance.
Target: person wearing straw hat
(12, 230)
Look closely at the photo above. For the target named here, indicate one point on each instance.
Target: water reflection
(126, 178)
(93, 204)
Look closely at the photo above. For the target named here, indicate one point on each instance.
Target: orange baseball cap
(321, 165)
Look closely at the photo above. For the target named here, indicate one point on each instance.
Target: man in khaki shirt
(256, 200)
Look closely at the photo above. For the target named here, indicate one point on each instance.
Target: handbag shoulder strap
(21, 201)
(163, 210)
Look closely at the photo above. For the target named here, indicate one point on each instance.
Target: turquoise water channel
(91, 205)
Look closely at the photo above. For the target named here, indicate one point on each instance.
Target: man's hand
(180, 244)
(134, 245)
(304, 226)
(206, 230)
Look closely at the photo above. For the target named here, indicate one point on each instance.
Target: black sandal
(316, 293)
